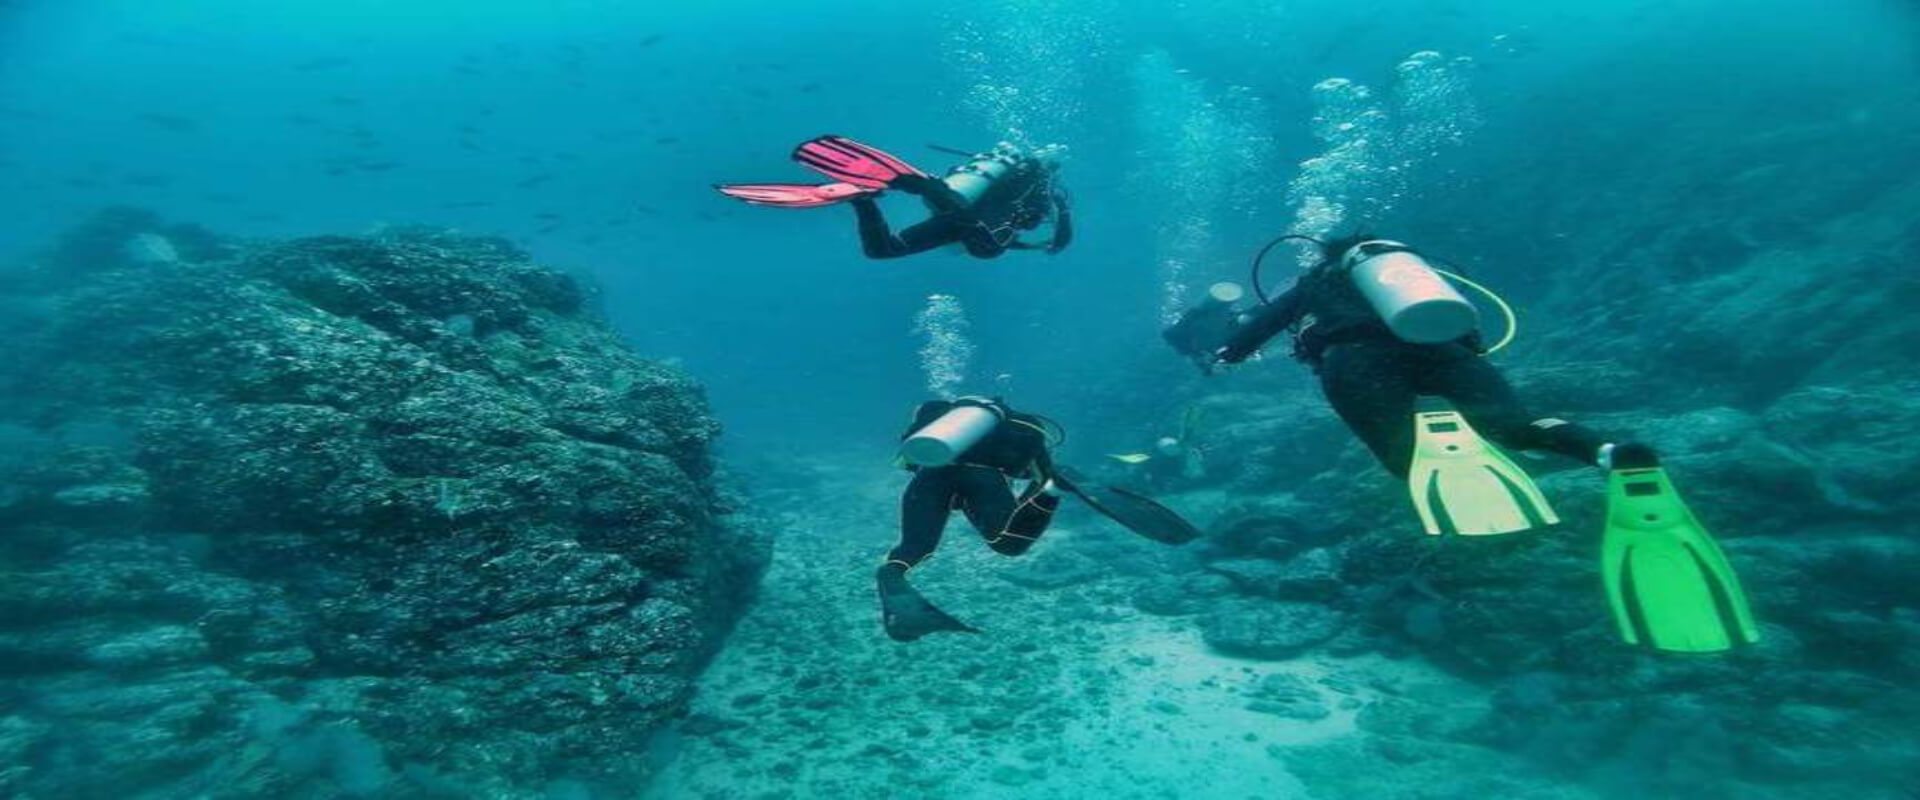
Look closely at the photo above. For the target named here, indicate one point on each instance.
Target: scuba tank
(944, 439)
(971, 179)
(1410, 296)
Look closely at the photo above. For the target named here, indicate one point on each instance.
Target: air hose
(1513, 323)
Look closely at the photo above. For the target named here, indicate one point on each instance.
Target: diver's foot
(1627, 455)
(905, 614)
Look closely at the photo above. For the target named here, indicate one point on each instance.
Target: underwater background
(393, 410)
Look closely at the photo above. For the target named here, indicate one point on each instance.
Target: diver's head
(1226, 293)
(1049, 157)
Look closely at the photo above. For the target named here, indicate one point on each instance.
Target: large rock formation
(394, 516)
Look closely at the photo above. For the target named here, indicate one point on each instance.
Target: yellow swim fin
(1462, 484)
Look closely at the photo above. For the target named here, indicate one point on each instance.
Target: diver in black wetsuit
(979, 483)
(982, 204)
(1019, 200)
(1373, 378)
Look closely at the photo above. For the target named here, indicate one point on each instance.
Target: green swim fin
(1668, 583)
(1462, 484)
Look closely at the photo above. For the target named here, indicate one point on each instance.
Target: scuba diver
(965, 454)
(983, 204)
(1399, 356)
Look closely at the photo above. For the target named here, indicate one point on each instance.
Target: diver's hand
(1226, 356)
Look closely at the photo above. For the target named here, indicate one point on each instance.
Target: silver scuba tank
(972, 179)
(1415, 302)
(944, 439)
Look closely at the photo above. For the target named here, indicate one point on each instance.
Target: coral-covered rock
(436, 506)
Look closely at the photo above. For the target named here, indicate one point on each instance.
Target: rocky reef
(395, 516)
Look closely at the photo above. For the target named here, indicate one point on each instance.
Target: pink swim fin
(792, 195)
(844, 159)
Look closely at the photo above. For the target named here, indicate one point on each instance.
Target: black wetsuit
(1372, 377)
(987, 229)
(980, 484)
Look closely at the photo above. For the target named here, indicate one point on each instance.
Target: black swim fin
(1134, 511)
(908, 616)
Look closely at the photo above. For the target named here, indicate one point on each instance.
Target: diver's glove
(1229, 356)
(1062, 221)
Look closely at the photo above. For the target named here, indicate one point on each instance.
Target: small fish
(665, 140)
(533, 181)
(650, 40)
(809, 88)
(148, 180)
(547, 215)
(344, 101)
(547, 229)
(460, 204)
(1130, 458)
(377, 166)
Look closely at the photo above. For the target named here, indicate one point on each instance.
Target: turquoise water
(1703, 212)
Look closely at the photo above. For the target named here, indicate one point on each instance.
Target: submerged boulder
(409, 490)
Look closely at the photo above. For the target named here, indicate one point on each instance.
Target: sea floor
(1069, 693)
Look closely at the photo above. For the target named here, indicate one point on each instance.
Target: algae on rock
(408, 495)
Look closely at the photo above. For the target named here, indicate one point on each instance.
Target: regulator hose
(1258, 290)
(1513, 323)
